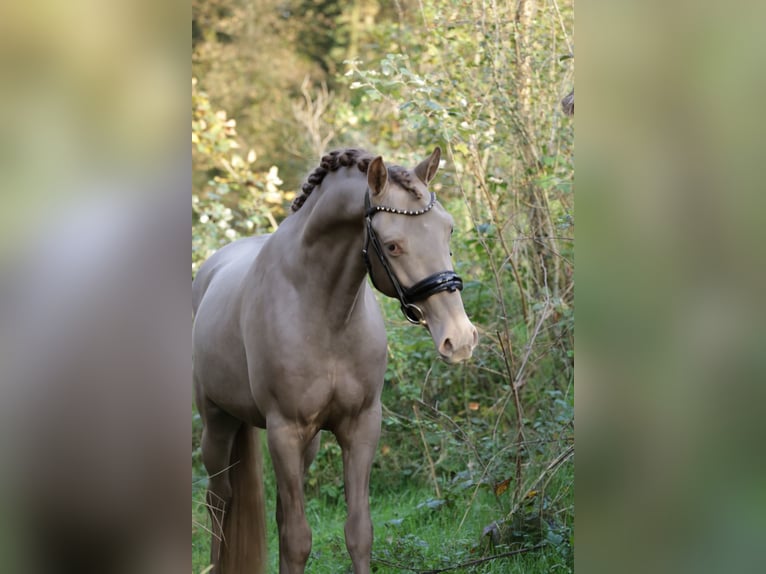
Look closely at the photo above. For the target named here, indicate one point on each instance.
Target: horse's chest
(313, 372)
(317, 392)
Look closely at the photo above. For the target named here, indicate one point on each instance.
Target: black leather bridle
(420, 291)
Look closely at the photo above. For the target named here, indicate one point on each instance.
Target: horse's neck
(339, 200)
(330, 266)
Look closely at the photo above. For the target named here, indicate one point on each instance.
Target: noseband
(420, 291)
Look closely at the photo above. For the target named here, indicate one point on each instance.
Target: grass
(415, 531)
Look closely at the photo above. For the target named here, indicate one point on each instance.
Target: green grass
(415, 530)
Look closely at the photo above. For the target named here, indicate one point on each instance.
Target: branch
(468, 564)
(426, 450)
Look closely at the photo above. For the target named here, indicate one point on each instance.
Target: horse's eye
(393, 249)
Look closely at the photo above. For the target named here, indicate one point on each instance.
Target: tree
(235, 200)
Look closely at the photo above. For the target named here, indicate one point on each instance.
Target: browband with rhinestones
(373, 209)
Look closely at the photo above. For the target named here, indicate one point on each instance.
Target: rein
(420, 291)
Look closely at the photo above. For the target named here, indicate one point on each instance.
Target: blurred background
(670, 285)
(475, 461)
(94, 309)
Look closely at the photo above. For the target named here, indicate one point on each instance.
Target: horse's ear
(426, 170)
(377, 176)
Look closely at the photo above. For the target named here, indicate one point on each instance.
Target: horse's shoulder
(228, 262)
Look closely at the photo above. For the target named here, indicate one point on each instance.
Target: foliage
(236, 200)
(254, 57)
(486, 83)
(242, 52)
(488, 445)
(410, 532)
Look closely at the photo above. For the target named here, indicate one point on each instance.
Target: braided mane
(348, 158)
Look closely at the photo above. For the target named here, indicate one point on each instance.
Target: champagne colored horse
(288, 337)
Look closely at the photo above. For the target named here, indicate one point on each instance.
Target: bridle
(420, 291)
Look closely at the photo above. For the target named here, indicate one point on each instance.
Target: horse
(288, 337)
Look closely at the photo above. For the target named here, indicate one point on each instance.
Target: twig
(547, 474)
(520, 438)
(554, 464)
(466, 439)
(310, 112)
(516, 382)
(509, 255)
(428, 454)
(563, 28)
(468, 564)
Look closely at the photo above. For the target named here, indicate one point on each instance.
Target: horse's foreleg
(359, 439)
(288, 447)
(308, 457)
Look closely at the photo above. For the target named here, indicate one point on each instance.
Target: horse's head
(408, 254)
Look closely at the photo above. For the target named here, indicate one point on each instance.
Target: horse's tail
(244, 546)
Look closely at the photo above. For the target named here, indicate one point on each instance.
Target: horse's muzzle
(458, 347)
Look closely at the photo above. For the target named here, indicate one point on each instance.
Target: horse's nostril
(447, 347)
(475, 337)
